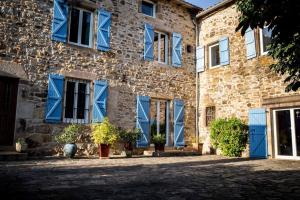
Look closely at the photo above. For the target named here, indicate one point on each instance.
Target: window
(161, 47)
(148, 8)
(265, 40)
(214, 55)
(210, 114)
(80, 30)
(77, 97)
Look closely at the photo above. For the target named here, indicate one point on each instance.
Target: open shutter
(54, 99)
(258, 133)
(176, 49)
(103, 34)
(224, 51)
(178, 123)
(100, 99)
(143, 120)
(250, 43)
(200, 58)
(149, 42)
(60, 19)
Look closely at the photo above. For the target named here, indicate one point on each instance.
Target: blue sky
(203, 3)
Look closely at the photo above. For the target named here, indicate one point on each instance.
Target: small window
(189, 48)
(77, 95)
(210, 114)
(161, 47)
(148, 8)
(265, 40)
(214, 55)
(80, 32)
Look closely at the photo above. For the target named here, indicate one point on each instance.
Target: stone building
(234, 80)
(71, 61)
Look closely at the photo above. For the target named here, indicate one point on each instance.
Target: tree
(283, 18)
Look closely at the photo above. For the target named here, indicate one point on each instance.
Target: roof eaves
(214, 8)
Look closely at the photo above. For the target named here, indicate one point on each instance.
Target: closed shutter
(224, 51)
(143, 120)
(149, 42)
(176, 50)
(60, 21)
(250, 43)
(200, 58)
(103, 33)
(54, 99)
(100, 100)
(258, 133)
(178, 123)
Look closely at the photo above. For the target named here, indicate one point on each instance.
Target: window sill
(217, 66)
(80, 45)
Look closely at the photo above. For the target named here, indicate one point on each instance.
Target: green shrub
(104, 132)
(229, 135)
(159, 139)
(69, 134)
(129, 135)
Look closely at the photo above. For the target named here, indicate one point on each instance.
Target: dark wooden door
(8, 104)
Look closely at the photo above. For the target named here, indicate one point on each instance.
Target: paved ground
(197, 177)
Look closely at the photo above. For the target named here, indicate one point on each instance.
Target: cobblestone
(196, 177)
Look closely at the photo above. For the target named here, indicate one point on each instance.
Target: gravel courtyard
(196, 177)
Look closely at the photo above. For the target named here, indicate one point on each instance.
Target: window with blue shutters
(100, 100)
(176, 50)
(143, 120)
(148, 42)
(214, 55)
(60, 21)
(178, 123)
(103, 33)
(224, 51)
(200, 58)
(250, 43)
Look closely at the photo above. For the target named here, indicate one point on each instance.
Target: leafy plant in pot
(104, 134)
(69, 137)
(21, 145)
(159, 141)
(129, 137)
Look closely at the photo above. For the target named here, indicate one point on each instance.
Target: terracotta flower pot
(159, 147)
(104, 151)
(128, 149)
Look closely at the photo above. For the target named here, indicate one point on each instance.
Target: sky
(203, 3)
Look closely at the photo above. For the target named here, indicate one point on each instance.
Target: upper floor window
(214, 55)
(265, 40)
(81, 27)
(161, 47)
(148, 8)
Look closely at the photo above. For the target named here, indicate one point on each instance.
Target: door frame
(294, 145)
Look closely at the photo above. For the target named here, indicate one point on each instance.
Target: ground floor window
(77, 101)
(287, 132)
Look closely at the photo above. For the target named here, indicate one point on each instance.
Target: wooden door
(8, 103)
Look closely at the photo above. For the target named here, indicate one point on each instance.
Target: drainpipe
(197, 77)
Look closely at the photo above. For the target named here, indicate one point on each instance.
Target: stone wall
(243, 84)
(25, 32)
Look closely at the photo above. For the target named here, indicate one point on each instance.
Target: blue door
(258, 133)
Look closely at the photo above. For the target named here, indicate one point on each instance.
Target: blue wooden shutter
(143, 120)
(103, 34)
(200, 58)
(258, 133)
(178, 123)
(149, 43)
(54, 99)
(60, 21)
(224, 51)
(100, 99)
(176, 50)
(250, 43)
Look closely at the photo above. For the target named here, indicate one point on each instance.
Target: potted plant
(159, 141)
(129, 137)
(69, 137)
(104, 134)
(21, 145)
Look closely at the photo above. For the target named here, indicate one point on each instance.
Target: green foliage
(21, 141)
(162, 128)
(285, 40)
(69, 134)
(229, 135)
(129, 135)
(159, 139)
(104, 133)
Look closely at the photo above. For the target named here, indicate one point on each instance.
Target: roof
(188, 5)
(215, 7)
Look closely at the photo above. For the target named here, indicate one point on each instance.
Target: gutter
(214, 8)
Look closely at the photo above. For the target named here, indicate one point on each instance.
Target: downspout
(197, 77)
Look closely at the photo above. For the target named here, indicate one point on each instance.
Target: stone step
(12, 156)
